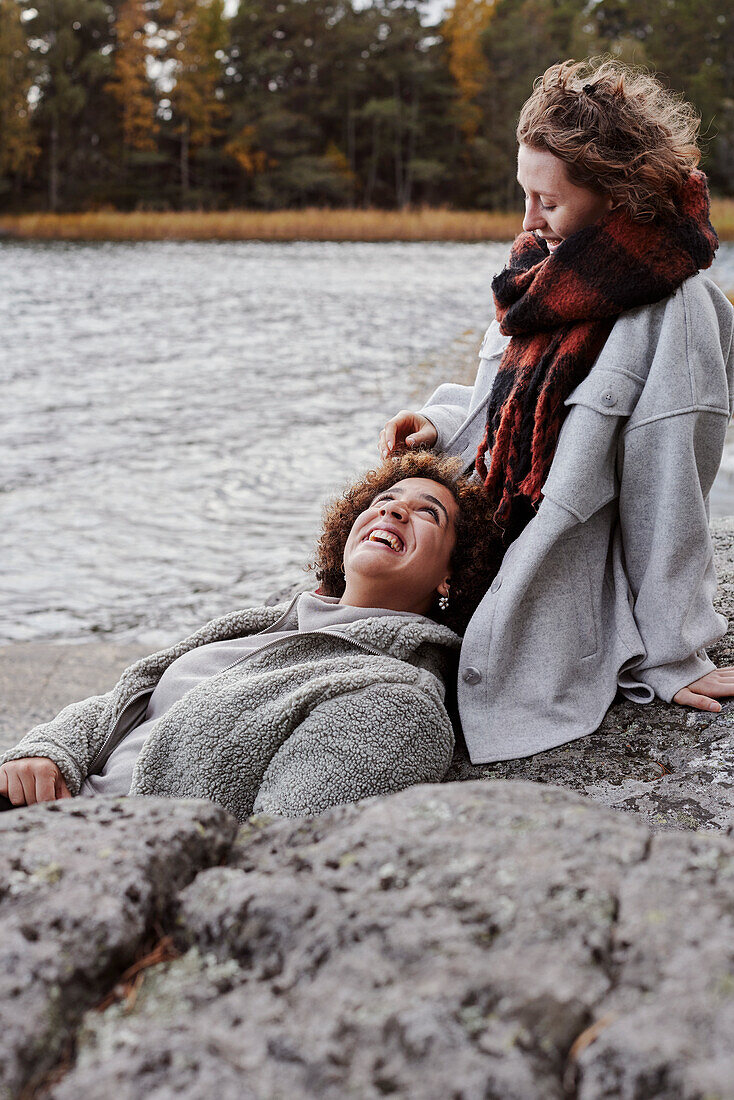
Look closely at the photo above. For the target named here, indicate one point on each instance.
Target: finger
(3, 781)
(391, 430)
(426, 434)
(689, 698)
(28, 782)
(720, 690)
(62, 791)
(45, 785)
(15, 789)
(721, 681)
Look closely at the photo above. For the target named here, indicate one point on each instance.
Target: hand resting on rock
(32, 779)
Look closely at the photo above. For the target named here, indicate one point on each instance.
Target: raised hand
(406, 429)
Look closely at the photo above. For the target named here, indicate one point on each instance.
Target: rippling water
(175, 413)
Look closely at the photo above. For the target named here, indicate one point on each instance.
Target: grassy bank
(291, 225)
(279, 225)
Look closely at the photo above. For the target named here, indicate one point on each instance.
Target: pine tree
(196, 37)
(18, 147)
(70, 44)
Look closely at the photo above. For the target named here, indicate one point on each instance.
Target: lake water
(174, 414)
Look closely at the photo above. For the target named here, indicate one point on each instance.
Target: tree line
(167, 104)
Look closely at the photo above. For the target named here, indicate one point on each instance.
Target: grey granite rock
(504, 941)
(82, 884)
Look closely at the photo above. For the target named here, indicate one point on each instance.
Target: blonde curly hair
(618, 130)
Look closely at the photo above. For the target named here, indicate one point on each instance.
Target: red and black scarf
(559, 309)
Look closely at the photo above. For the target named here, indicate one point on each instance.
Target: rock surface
(83, 883)
(505, 941)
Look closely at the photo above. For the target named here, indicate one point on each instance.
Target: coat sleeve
(373, 741)
(669, 466)
(451, 405)
(447, 409)
(73, 737)
(70, 739)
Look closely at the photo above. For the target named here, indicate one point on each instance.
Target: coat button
(496, 584)
(608, 399)
(471, 675)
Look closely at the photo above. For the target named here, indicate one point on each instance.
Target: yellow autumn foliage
(463, 28)
(129, 84)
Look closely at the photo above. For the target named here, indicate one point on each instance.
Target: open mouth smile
(387, 538)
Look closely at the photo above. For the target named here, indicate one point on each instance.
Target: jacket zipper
(108, 744)
(109, 739)
(302, 634)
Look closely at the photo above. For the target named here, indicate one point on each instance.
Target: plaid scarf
(559, 309)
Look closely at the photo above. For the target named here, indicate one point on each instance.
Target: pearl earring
(443, 603)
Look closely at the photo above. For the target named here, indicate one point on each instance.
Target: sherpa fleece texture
(309, 722)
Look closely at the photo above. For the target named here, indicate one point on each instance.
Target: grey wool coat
(301, 724)
(610, 586)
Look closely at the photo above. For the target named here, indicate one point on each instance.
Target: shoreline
(312, 224)
(427, 224)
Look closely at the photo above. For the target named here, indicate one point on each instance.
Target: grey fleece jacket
(611, 585)
(304, 723)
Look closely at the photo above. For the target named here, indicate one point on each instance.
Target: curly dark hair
(478, 550)
(618, 130)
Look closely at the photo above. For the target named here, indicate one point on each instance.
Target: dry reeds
(312, 224)
(722, 218)
(279, 225)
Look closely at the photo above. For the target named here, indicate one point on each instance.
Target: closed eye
(433, 511)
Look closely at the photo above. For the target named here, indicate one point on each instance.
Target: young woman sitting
(597, 422)
(292, 709)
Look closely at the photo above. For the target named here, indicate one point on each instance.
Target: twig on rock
(128, 987)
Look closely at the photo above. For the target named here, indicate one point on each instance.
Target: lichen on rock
(527, 943)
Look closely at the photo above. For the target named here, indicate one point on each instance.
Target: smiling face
(555, 207)
(399, 549)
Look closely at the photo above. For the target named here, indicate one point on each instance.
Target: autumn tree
(522, 39)
(283, 103)
(196, 35)
(463, 28)
(130, 85)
